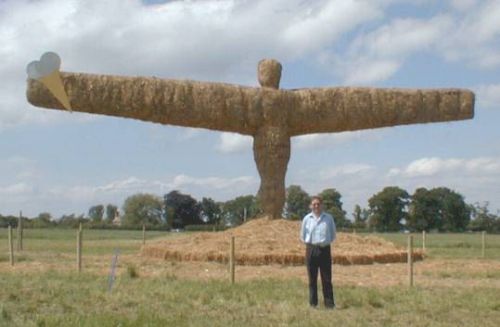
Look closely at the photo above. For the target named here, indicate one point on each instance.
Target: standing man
(318, 232)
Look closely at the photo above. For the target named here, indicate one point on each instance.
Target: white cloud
(402, 37)
(475, 38)
(366, 71)
(377, 55)
(178, 182)
(426, 167)
(17, 169)
(189, 133)
(311, 141)
(15, 161)
(469, 33)
(431, 166)
(488, 96)
(232, 36)
(129, 184)
(184, 181)
(68, 197)
(206, 40)
(232, 142)
(16, 190)
(351, 169)
(463, 5)
(318, 25)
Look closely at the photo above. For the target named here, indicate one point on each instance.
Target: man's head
(316, 205)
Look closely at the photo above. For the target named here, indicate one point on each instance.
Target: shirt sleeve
(303, 230)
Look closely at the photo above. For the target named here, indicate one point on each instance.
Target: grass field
(454, 287)
(467, 245)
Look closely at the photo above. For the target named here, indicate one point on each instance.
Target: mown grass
(63, 241)
(438, 245)
(63, 297)
(465, 275)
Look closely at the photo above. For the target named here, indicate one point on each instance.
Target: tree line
(392, 209)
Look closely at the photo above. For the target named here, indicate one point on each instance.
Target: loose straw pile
(264, 241)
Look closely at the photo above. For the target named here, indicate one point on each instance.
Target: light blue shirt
(318, 231)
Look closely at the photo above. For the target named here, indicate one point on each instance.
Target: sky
(63, 163)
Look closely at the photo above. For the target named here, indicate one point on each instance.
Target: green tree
(424, 210)
(235, 211)
(360, 217)
(297, 202)
(96, 213)
(142, 209)
(43, 219)
(332, 204)
(483, 219)
(388, 208)
(211, 210)
(72, 221)
(181, 209)
(439, 208)
(111, 212)
(454, 215)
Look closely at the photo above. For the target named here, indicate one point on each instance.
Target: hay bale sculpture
(270, 115)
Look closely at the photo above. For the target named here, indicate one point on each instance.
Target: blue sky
(63, 163)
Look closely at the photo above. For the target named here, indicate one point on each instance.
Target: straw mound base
(273, 241)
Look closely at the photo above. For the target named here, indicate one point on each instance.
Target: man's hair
(317, 197)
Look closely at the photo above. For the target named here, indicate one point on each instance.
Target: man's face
(316, 206)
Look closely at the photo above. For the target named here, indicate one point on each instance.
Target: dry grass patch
(266, 241)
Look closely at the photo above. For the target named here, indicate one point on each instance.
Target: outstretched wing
(327, 110)
(214, 106)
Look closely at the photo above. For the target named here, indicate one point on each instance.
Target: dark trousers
(319, 258)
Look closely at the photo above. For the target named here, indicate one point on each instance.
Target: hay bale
(269, 241)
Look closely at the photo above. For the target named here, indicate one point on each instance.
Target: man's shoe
(330, 306)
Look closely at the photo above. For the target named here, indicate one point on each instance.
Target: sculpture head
(269, 73)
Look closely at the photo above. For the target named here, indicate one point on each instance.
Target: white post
(11, 247)
(232, 260)
(423, 240)
(79, 250)
(410, 260)
(483, 244)
(20, 232)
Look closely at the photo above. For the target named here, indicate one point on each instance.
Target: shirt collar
(316, 217)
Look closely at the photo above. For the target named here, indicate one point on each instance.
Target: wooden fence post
(79, 250)
(20, 232)
(11, 247)
(483, 244)
(410, 260)
(423, 240)
(232, 260)
(143, 234)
